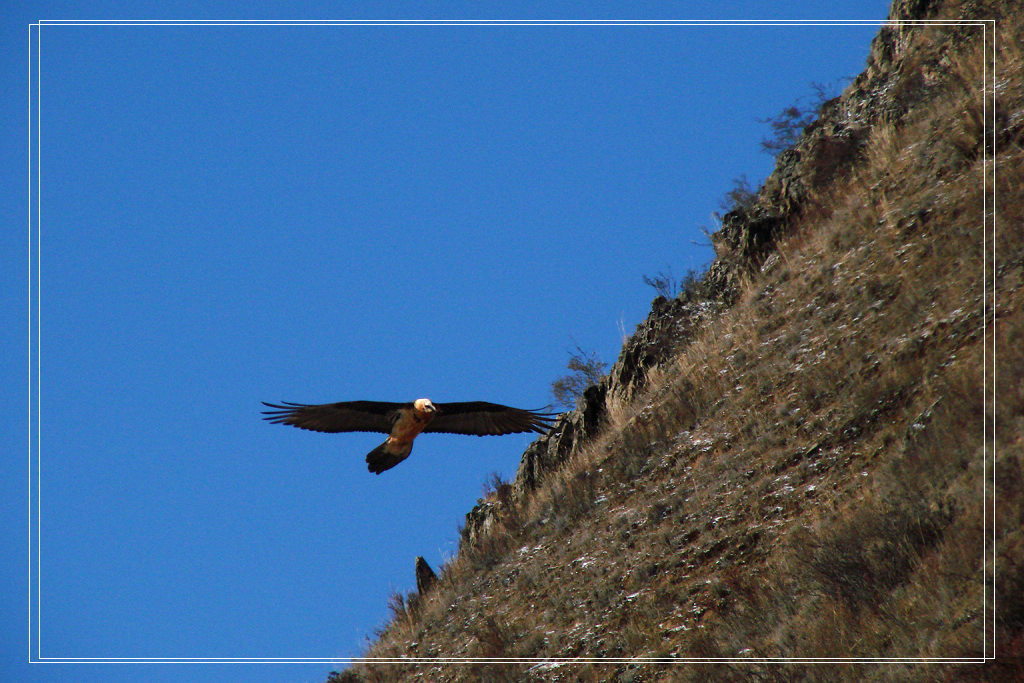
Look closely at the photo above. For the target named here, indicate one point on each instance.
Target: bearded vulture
(402, 422)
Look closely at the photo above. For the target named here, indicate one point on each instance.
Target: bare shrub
(585, 369)
(741, 196)
(667, 285)
(788, 125)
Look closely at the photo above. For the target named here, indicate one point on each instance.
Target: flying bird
(403, 422)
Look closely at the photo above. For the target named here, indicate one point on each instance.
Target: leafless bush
(741, 196)
(667, 285)
(788, 125)
(585, 369)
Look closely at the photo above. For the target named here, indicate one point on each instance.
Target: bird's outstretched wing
(484, 419)
(348, 416)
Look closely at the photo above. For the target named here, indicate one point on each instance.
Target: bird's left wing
(484, 419)
(348, 416)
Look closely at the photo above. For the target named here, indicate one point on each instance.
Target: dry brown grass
(808, 477)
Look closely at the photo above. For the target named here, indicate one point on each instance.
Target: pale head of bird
(423, 405)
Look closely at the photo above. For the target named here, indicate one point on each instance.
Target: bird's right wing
(348, 416)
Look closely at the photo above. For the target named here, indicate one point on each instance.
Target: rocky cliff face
(787, 462)
(897, 78)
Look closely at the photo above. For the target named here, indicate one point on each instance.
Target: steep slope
(805, 461)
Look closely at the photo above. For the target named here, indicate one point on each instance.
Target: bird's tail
(387, 455)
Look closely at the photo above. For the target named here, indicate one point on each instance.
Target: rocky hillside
(816, 453)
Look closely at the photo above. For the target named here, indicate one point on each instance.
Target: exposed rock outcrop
(553, 448)
(425, 577)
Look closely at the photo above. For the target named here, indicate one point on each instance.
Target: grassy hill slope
(816, 469)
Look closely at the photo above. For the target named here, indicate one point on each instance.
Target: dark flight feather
(347, 416)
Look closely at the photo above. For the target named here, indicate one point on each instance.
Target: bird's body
(403, 422)
(411, 422)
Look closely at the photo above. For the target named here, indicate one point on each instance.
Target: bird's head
(424, 406)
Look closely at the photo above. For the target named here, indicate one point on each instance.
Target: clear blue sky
(236, 214)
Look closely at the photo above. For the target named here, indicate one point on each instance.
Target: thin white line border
(35, 77)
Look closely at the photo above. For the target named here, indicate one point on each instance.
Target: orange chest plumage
(409, 424)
